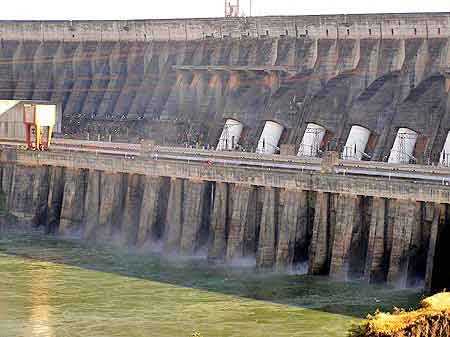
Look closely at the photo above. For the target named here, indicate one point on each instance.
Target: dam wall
(383, 230)
(177, 81)
(180, 82)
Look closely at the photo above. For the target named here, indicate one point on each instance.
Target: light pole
(250, 8)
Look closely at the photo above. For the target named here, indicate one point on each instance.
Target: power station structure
(319, 140)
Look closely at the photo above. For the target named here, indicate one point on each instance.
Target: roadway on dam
(430, 174)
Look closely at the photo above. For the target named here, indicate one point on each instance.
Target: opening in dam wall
(396, 241)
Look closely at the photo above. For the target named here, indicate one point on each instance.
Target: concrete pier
(222, 214)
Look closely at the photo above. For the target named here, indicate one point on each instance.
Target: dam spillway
(288, 86)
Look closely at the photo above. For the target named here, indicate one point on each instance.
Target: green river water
(65, 288)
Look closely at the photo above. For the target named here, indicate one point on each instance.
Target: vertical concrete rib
(268, 233)
(174, 218)
(100, 78)
(131, 211)
(194, 196)
(241, 203)
(319, 248)
(346, 220)
(149, 208)
(72, 211)
(117, 76)
(375, 268)
(113, 187)
(179, 101)
(327, 60)
(290, 230)
(63, 73)
(82, 70)
(23, 69)
(7, 52)
(166, 80)
(438, 222)
(92, 205)
(26, 195)
(405, 220)
(8, 176)
(20, 194)
(55, 198)
(40, 195)
(219, 223)
(149, 81)
(43, 70)
(134, 77)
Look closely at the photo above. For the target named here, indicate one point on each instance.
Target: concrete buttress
(174, 218)
(55, 198)
(346, 221)
(132, 209)
(92, 205)
(149, 208)
(194, 197)
(113, 186)
(292, 228)
(405, 220)
(438, 222)
(242, 195)
(375, 267)
(319, 248)
(219, 223)
(71, 220)
(265, 258)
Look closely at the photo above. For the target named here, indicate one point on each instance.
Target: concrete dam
(312, 142)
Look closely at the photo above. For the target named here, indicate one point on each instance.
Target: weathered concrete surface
(113, 187)
(404, 222)
(72, 212)
(149, 209)
(436, 229)
(174, 220)
(319, 249)
(219, 223)
(376, 254)
(292, 179)
(175, 81)
(128, 78)
(268, 233)
(131, 210)
(243, 196)
(92, 205)
(55, 198)
(25, 192)
(194, 197)
(344, 235)
(347, 219)
(293, 234)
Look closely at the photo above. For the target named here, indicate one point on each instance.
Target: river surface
(65, 288)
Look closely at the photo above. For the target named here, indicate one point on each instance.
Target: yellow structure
(40, 118)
